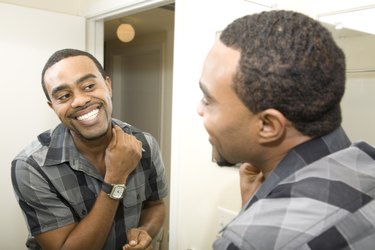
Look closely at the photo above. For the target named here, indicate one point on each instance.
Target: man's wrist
(114, 191)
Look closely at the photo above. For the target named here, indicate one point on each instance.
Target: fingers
(247, 168)
(250, 180)
(120, 137)
(122, 155)
(138, 240)
(113, 141)
(249, 173)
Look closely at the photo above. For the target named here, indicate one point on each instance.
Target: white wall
(358, 102)
(28, 37)
(67, 6)
(199, 187)
(109, 8)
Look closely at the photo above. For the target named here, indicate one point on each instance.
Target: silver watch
(114, 191)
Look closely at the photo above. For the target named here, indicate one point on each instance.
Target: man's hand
(122, 155)
(250, 179)
(138, 240)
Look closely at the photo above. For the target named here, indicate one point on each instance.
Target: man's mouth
(88, 116)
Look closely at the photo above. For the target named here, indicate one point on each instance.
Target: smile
(89, 116)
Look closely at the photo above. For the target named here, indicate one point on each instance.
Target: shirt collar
(301, 156)
(61, 147)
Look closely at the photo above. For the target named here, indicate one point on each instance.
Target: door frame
(95, 46)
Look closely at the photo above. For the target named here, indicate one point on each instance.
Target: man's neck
(93, 150)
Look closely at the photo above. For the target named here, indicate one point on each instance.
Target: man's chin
(93, 136)
(224, 163)
(219, 159)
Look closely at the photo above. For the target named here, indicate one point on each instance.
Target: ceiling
(359, 19)
(343, 32)
(146, 22)
(162, 18)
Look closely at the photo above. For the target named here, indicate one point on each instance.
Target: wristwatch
(114, 191)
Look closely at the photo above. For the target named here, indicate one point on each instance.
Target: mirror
(352, 33)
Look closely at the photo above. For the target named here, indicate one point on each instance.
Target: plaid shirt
(320, 196)
(56, 186)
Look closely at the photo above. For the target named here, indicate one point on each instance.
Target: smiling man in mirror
(93, 182)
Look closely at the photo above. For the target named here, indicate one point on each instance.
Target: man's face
(80, 96)
(227, 120)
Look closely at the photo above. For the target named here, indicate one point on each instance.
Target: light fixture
(125, 32)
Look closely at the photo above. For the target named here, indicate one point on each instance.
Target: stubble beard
(219, 159)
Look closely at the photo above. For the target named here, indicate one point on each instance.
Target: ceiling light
(125, 32)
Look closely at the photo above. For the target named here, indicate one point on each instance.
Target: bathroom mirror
(355, 34)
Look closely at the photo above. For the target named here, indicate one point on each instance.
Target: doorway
(141, 73)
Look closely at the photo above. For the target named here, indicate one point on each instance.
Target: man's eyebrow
(84, 78)
(205, 91)
(59, 88)
(66, 86)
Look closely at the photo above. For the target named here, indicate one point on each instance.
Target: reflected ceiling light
(125, 32)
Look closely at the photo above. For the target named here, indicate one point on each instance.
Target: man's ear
(50, 104)
(108, 82)
(273, 126)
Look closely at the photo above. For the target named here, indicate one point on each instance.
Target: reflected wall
(358, 102)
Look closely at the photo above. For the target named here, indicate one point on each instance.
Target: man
(93, 182)
(272, 88)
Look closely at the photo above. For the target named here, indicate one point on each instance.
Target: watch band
(106, 187)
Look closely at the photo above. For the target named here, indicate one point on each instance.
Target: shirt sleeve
(224, 244)
(41, 207)
(279, 223)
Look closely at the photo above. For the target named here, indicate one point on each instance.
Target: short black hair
(65, 53)
(291, 63)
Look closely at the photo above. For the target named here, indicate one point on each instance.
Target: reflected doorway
(141, 73)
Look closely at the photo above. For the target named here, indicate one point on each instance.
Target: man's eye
(204, 101)
(63, 97)
(89, 86)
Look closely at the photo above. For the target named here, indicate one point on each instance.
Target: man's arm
(121, 158)
(152, 218)
(89, 233)
(153, 212)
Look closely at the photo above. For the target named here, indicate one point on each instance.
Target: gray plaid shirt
(320, 196)
(56, 186)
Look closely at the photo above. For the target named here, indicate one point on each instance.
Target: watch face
(117, 192)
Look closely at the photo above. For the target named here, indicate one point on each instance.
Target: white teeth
(89, 116)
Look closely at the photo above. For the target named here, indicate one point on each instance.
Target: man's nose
(80, 99)
(200, 109)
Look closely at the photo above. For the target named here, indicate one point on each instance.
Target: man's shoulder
(308, 202)
(358, 159)
(355, 231)
(37, 148)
